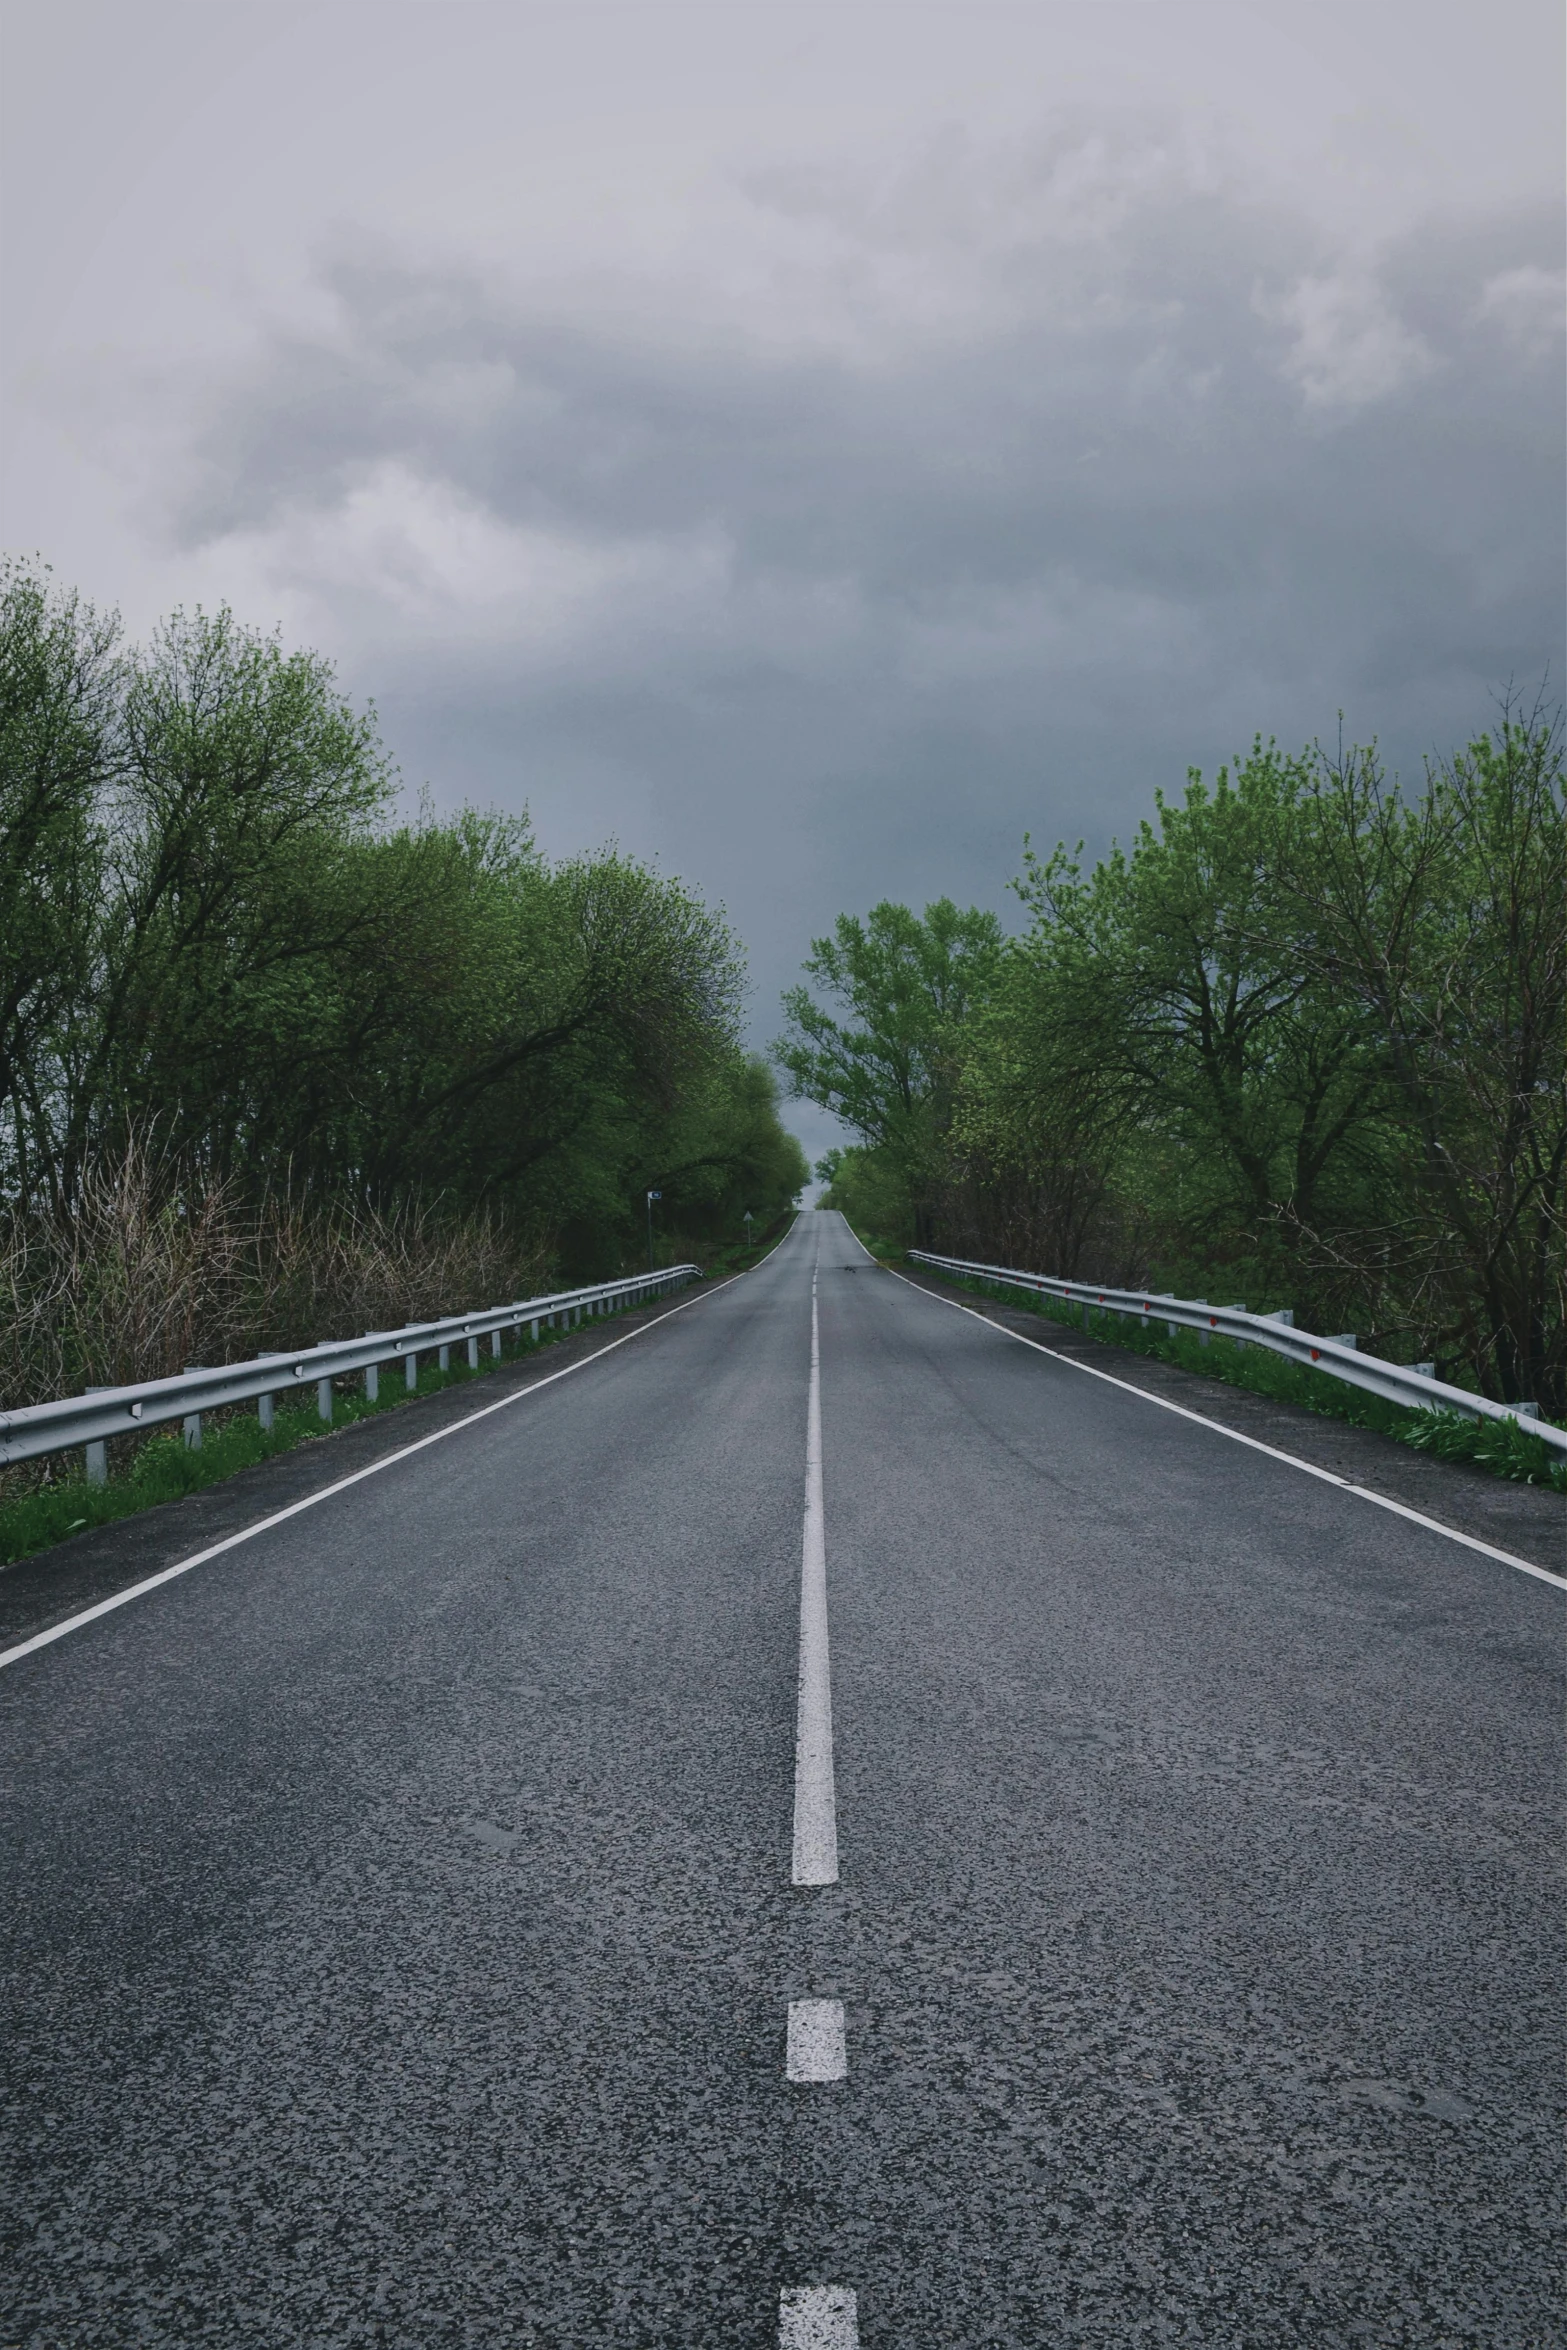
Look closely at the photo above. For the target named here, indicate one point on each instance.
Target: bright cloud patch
(917, 509)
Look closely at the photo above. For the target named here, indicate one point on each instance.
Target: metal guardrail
(92, 1419)
(1417, 1390)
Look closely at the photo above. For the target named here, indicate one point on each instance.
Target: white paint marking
(104, 1607)
(1292, 1460)
(815, 1804)
(817, 2317)
(817, 2048)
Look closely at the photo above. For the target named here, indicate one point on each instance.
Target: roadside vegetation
(163, 1466)
(37, 1512)
(1503, 1448)
(1303, 1042)
(280, 1061)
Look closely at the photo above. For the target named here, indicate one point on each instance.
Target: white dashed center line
(815, 1806)
(817, 2048)
(817, 2317)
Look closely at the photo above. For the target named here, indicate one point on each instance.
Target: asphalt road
(399, 1927)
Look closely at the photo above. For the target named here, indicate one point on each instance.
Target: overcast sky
(814, 445)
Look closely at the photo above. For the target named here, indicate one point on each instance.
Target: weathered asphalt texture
(50, 1585)
(398, 1931)
(1528, 1520)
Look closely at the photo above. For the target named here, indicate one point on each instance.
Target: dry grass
(152, 1272)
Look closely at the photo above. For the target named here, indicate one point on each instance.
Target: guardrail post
(445, 1358)
(193, 1419)
(473, 1354)
(372, 1382)
(1345, 1338)
(98, 1453)
(495, 1342)
(1424, 1370)
(264, 1413)
(324, 1399)
(411, 1369)
(533, 1331)
(1202, 1335)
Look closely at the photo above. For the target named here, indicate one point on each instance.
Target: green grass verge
(164, 1466)
(1501, 1446)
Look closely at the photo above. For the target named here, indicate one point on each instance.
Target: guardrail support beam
(97, 1454)
(1413, 1386)
(89, 1423)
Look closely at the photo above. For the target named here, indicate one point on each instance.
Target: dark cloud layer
(1007, 490)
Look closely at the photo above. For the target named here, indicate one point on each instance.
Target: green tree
(223, 955)
(59, 686)
(243, 778)
(1164, 999)
(867, 1188)
(1439, 925)
(727, 1150)
(890, 1070)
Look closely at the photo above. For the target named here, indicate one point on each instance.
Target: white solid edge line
(815, 1859)
(1399, 1509)
(104, 1607)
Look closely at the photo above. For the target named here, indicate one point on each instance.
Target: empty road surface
(417, 1929)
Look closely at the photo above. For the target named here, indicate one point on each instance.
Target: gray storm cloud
(1038, 491)
(976, 496)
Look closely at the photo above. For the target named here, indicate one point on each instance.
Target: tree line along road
(418, 1931)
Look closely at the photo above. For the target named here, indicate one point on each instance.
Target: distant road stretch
(824, 1827)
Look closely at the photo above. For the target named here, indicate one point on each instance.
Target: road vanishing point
(816, 1825)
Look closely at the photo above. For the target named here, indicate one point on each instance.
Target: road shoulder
(1528, 1520)
(48, 1586)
